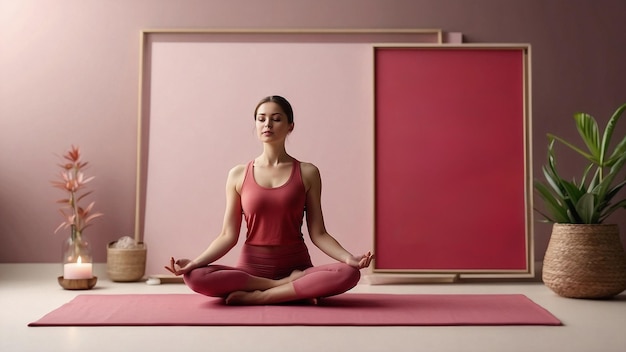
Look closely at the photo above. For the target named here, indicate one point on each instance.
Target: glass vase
(77, 259)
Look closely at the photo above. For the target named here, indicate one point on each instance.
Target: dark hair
(282, 102)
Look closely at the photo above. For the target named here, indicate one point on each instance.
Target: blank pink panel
(450, 163)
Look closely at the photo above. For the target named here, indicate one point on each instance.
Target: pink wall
(69, 75)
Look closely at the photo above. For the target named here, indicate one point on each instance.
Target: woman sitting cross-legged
(272, 192)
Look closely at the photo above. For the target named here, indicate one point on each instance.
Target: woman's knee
(194, 280)
(346, 275)
(204, 281)
(351, 275)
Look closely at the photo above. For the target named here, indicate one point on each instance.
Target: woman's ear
(291, 126)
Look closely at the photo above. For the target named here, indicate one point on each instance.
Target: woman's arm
(231, 226)
(315, 221)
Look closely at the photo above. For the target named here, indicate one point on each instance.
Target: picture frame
(453, 161)
(193, 81)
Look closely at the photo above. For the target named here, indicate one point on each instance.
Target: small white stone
(153, 281)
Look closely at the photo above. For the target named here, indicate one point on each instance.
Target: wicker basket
(126, 265)
(585, 261)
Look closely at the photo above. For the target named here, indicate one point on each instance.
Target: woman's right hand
(362, 261)
(184, 266)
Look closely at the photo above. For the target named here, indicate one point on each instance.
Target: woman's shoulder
(237, 170)
(236, 175)
(310, 174)
(308, 168)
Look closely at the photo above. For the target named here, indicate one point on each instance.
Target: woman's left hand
(360, 262)
(184, 266)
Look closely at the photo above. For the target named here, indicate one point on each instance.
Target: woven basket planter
(585, 261)
(126, 264)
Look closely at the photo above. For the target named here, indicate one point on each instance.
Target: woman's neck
(273, 156)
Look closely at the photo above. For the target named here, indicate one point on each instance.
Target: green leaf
(583, 181)
(595, 180)
(613, 191)
(608, 133)
(608, 211)
(605, 184)
(588, 130)
(586, 155)
(572, 191)
(554, 181)
(554, 207)
(586, 208)
(619, 151)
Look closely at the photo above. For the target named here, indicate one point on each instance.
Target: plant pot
(585, 261)
(126, 264)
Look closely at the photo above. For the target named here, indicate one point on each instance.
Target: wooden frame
(426, 101)
(147, 112)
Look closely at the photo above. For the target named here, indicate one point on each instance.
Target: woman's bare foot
(239, 298)
(307, 302)
(295, 275)
(279, 294)
(245, 298)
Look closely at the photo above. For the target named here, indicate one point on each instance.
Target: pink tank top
(273, 216)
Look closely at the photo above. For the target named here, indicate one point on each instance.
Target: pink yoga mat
(347, 309)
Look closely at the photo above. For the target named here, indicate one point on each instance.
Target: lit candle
(77, 270)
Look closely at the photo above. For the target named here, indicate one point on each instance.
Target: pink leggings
(274, 263)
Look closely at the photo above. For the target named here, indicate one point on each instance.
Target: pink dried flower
(73, 181)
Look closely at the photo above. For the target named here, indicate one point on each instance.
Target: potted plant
(585, 257)
(77, 259)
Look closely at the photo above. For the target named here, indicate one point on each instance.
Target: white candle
(77, 270)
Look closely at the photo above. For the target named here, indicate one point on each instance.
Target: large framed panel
(452, 160)
(198, 89)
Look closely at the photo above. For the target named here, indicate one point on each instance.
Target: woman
(273, 192)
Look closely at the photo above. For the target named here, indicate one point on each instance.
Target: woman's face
(272, 123)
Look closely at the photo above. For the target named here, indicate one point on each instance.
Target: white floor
(28, 291)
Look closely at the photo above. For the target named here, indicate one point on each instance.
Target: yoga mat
(348, 309)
